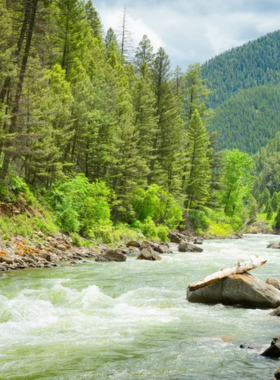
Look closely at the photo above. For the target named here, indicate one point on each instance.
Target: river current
(132, 321)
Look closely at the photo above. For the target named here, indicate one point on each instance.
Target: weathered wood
(238, 269)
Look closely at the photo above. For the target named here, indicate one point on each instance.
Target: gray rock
(273, 351)
(184, 246)
(148, 254)
(239, 289)
(61, 247)
(274, 245)
(111, 255)
(174, 238)
(198, 241)
(161, 248)
(274, 282)
(276, 312)
(6, 259)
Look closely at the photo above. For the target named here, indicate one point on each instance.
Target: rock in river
(111, 255)
(238, 289)
(274, 245)
(273, 351)
(274, 282)
(184, 246)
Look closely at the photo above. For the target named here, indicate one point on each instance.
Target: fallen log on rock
(223, 273)
(237, 289)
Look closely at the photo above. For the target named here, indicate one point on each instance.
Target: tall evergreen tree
(165, 165)
(145, 52)
(197, 180)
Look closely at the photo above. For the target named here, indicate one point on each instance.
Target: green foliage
(237, 181)
(277, 220)
(151, 230)
(157, 205)
(269, 212)
(253, 210)
(197, 180)
(79, 205)
(198, 219)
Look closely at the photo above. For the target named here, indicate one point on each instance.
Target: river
(132, 321)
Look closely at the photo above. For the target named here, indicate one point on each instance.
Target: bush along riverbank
(75, 219)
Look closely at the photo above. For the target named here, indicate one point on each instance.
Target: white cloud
(195, 30)
(111, 18)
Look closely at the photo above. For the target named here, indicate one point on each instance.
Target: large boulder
(184, 246)
(273, 351)
(238, 289)
(111, 255)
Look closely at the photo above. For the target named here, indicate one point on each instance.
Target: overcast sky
(194, 30)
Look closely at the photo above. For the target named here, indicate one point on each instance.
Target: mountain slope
(254, 64)
(248, 120)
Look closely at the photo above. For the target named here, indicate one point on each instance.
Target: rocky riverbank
(42, 251)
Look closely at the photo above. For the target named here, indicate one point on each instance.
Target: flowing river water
(132, 321)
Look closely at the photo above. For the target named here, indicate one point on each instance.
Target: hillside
(267, 167)
(248, 120)
(254, 64)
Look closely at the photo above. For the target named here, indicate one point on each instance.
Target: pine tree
(196, 95)
(197, 181)
(277, 219)
(94, 20)
(144, 103)
(253, 210)
(265, 198)
(72, 39)
(145, 52)
(269, 212)
(274, 201)
(10, 145)
(165, 165)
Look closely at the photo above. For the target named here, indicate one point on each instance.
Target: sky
(193, 30)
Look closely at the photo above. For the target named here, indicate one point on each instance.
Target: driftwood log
(238, 269)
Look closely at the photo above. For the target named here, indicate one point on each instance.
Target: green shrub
(158, 205)
(80, 206)
(198, 219)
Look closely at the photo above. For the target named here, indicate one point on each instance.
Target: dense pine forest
(100, 137)
(249, 119)
(254, 64)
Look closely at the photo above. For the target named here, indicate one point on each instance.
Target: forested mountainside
(267, 168)
(249, 119)
(254, 64)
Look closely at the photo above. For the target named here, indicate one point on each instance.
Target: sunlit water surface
(132, 321)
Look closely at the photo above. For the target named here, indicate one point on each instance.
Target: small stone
(61, 247)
